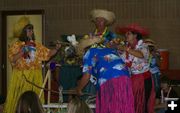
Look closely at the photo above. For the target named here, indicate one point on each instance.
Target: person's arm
(133, 52)
(87, 70)
(52, 52)
(16, 57)
(84, 80)
(15, 52)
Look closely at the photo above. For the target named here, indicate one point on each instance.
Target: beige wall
(162, 17)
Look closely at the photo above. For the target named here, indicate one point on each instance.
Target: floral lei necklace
(128, 59)
(100, 34)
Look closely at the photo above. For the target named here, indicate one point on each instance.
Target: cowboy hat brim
(107, 15)
(133, 28)
(84, 43)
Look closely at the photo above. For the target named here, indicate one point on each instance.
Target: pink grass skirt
(115, 96)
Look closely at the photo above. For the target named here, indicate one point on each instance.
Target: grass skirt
(115, 96)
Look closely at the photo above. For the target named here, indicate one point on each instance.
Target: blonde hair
(76, 105)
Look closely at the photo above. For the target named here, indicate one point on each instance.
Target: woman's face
(100, 23)
(130, 37)
(29, 32)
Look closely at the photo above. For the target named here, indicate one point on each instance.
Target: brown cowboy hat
(107, 15)
(132, 27)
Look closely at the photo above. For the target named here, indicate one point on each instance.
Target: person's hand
(24, 51)
(122, 48)
(111, 44)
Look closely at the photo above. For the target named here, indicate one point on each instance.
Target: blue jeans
(156, 79)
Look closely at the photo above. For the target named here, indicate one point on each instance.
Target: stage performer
(26, 56)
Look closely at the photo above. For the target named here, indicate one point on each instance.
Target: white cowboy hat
(107, 15)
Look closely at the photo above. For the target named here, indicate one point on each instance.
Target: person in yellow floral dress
(26, 56)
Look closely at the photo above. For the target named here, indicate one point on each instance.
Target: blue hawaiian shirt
(104, 64)
(154, 68)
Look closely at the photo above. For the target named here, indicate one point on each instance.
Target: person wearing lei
(114, 89)
(102, 19)
(26, 56)
(136, 56)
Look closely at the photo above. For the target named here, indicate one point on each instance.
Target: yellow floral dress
(22, 70)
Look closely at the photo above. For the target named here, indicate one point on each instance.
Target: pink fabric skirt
(115, 96)
(139, 93)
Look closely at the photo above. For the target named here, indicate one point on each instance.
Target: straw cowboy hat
(134, 28)
(107, 15)
(84, 43)
(23, 21)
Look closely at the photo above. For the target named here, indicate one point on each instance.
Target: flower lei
(128, 62)
(100, 34)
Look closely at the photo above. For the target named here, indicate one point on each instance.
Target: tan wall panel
(71, 16)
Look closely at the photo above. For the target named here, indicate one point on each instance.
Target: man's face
(100, 23)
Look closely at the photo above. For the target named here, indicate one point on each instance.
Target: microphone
(52, 65)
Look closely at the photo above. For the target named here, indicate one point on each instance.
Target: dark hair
(151, 48)
(139, 36)
(23, 35)
(29, 102)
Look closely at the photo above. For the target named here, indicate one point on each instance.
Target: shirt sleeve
(14, 49)
(42, 52)
(89, 62)
(144, 49)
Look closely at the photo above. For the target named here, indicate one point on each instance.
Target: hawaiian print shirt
(104, 64)
(139, 65)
